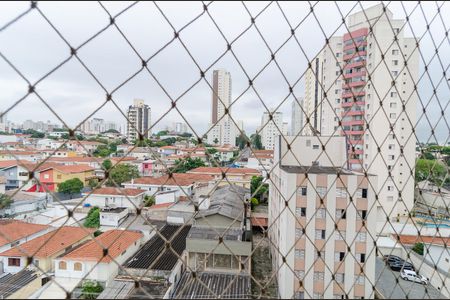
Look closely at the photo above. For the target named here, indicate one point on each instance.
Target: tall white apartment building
(139, 120)
(270, 129)
(297, 117)
(355, 99)
(223, 129)
(321, 227)
(3, 121)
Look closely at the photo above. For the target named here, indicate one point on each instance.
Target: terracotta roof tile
(50, 243)
(116, 241)
(117, 191)
(217, 170)
(412, 239)
(13, 230)
(71, 169)
(181, 179)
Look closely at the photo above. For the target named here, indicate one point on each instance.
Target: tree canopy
(256, 141)
(93, 218)
(186, 164)
(258, 188)
(71, 186)
(122, 173)
(432, 170)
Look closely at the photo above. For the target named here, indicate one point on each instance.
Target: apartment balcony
(357, 64)
(351, 103)
(352, 113)
(355, 94)
(355, 34)
(355, 161)
(357, 151)
(352, 45)
(355, 74)
(353, 122)
(356, 54)
(353, 132)
(355, 142)
(354, 84)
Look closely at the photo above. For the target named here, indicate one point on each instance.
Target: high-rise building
(3, 121)
(296, 117)
(321, 226)
(139, 120)
(271, 128)
(223, 129)
(385, 103)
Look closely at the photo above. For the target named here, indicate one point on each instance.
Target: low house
(90, 262)
(168, 150)
(83, 147)
(44, 249)
(116, 197)
(15, 232)
(32, 156)
(2, 184)
(239, 176)
(94, 162)
(51, 177)
(183, 184)
(24, 203)
(16, 174)
(113, 216)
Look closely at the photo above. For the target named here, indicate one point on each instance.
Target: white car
(413, 276)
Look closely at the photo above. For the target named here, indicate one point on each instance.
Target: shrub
(418, 248)
(91, 290)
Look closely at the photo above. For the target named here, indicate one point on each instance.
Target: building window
(303, 191)
(360, 279)
(62, 265)
(301, 211)
(316, 255)
(317, 296)
(299, 295)
(14, 262)
(340, 214)
(395, 62)
(77, 266)
(36, 262)
(299, 254)
(320, 213)
(394, 73)
(361, 236)
(393, 95)
(318, 276)
(340, 235)
(339, 277)
(341, 192)
(298, 233)
(392, 116)
(339, 256)
(391, 157)
(300, 274)
(395, 52)
(320, 234)
(391, 147)
(361, 215)
(321, 191)
(361, 257)
(390, 188)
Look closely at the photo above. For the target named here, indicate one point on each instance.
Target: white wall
(116, 200)
(12, 269)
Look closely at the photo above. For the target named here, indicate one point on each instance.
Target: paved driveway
(386, 283)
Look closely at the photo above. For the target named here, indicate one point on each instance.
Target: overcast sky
(34, 47)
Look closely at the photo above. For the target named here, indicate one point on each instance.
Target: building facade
(297, 117)
(271, 128)
(223, 129)
(320, 223)
(139, 120)
(374, 98)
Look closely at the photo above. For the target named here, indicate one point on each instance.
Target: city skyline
(76, 89)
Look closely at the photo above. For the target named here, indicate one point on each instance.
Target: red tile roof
(117, 191)
(162, 205)
(412, 239)
(259, 222)
(50, 243)
(13, 230)
(71, 169)
(217, 170)
(116, 241)
(75, 159)
(181, 179)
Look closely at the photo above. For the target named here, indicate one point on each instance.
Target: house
(48, 144)
(168, 150)
(113, 197)
(240, 176)
(90, 262)
(24, 203)
(83, 147)
(15, 232)
(2, 184)
(51, 177)
(44, 249)
(32, 156)
(16, 174)
(58, 153)
(11, 289)
(183, 184)
(113, 216)
(93, 162)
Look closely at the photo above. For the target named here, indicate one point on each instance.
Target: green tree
(93, 218)
(216, 141)
(149, 200)
(258, 188)
(241, 140)
(122, 173)
(71, 186)
(256, 141)
(254, 202)
(186, 164)
(91, 290)
(427, 155)
(162, 132)
(418, 248)
(102, 151)
(211, 151)
(92, 183)
(5, 201)
(107, 164)
(432, 170)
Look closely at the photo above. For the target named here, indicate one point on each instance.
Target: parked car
(399, 265)
(413, 276)
(392, 258)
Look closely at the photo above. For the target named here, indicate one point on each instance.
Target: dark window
(303, 191)
(362, 257)
(14, 262)
(323, 234)
(303, 211)
(341, 256)
(364, 193)
(364, 214)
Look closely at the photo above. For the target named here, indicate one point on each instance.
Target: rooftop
(412, 239)
(50, 243)
(218, 170)
(117, 241)
(117, 191)
(228, 286)
(231, 234)
(154, 254)
(177, 179)
(315, 170)
(70, 169)
(11, 283)
(13, 230)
